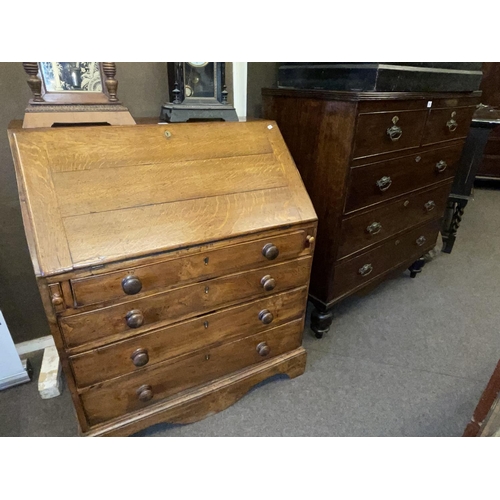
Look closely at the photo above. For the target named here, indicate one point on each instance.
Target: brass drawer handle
(266, 316)
(395, 132)
(131, 285)
(365, 270)
(145, 393)
(430, 205)
(309, 240)
(268, 283)
(441, 166)
(140, 357)
(420, 241)
(134, 318)
(263, 349)
(270, 251)
(384, 183)
(374, 228)
(451, 123)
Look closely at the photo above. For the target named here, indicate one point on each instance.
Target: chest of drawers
(173, 263)
(379, 167)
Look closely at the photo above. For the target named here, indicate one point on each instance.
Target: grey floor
(410, 359)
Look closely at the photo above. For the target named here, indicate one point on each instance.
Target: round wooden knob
(134, 318)
(140, 357)
(263, 349)
(268, 283)
(145, 393)
(309, 240)
(131, 285)
(57, 300)
(270, 251)
(266, 316)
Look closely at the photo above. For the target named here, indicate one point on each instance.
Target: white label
(429, 104)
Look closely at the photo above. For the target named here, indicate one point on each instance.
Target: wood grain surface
(180, 303)
(115, 359)
(114, 398)
(88, 203)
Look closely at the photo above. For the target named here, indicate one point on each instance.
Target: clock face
(198, 64)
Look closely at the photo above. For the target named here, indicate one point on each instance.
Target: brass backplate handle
(420, 241)
(384, 183)
(395, 132)
(441, 166)
(452, 125)
(365, 270)
(430, 205)
(374, 228)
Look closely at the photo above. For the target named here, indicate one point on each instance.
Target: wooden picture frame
(45, 92)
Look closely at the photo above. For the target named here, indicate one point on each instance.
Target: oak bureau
(379, 168)
(173, 262)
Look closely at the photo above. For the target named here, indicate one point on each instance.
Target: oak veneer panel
(46, 236)
(86, 207)
(85, 192)
(147, 144)
(113, 360)
(116, 397)
(170, 306)
(195, 404)
(393, 217)
(142, 230)
(202, 265)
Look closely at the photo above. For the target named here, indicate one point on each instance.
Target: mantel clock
(197, 92)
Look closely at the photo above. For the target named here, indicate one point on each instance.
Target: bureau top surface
(93, 195)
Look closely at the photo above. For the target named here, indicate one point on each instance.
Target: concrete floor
(410, 359)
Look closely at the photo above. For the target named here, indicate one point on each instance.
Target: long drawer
(133, 392)
(377, 182)
(369, 228)
(135, 354)
(136, 316)
(142, 280)
(354, 273)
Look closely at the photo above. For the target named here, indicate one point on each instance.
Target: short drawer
(384, 132)
(142, 280)
(136, 316)
(354, 273)
(369, 228)
(447, 124)
(133, 392)
(137, 353)
(381, 181)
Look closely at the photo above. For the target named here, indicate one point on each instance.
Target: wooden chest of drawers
(379, 167)
(173, 262)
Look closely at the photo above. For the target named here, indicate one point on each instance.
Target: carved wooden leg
(416, 267)
(321, 322)
(456, 207)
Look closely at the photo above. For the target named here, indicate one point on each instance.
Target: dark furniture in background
(384, 77)
(484, 124)
(379, 168)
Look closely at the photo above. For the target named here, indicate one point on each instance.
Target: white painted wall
(240, 89)
(11, 368)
